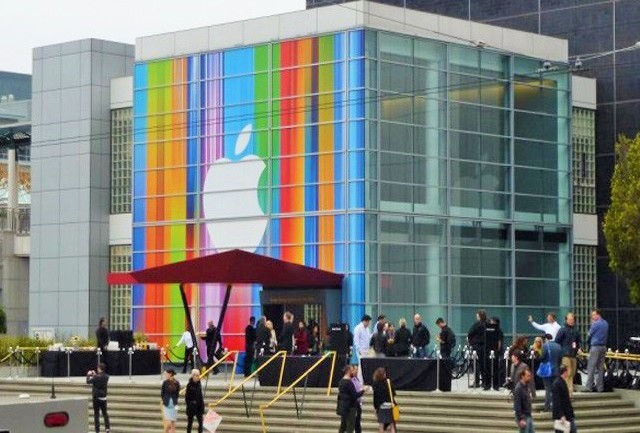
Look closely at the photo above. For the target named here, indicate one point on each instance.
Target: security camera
(480, 43)
(546, 65)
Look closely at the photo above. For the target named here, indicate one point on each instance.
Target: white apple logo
(230, 200)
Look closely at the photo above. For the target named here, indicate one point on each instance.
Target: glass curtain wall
(473, 183)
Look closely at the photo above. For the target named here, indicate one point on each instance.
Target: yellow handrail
(315, 365)
(206, 372)
(282, 354)
(618, 356)
(9, 355)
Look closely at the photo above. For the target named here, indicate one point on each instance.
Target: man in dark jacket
(249, 345)
(99, 380)
(569, 338)
(476, 337)
(446, 338)
(522, 402)
(420, 338)
(403, 339)
(212, 340)
(102, 335)
(286, 336)
(562, 407)
(348, 400)
(263, 337)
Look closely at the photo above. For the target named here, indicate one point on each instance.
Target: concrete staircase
(135, 408)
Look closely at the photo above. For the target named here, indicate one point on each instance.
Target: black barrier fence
(118, 363)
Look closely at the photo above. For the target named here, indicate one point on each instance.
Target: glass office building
(592, 27)
(435, 176)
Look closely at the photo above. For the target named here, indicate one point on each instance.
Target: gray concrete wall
(70, 166)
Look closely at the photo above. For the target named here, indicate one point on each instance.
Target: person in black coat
(249, 345)
(348, 400)
(476, 337)
(420, 337)
(562, 407)
(102, 336)
(403, 339)
(286, 336)
(379, 340)
(446, 338)
(99, 380)
(194, 401)
(212, 340)
(382, 400)
(263, 337)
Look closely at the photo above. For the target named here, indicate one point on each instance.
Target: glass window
(120, 296)
(121, 154)
(396, 48)
(396, 137)
(396, 78)
(465, 60)
(428, 54)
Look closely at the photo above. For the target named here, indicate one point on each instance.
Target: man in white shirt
(362, 336)
(551, 327)
(187, 340)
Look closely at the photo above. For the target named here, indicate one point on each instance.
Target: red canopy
(235, 266)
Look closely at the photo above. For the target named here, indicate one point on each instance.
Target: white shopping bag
(211, 421)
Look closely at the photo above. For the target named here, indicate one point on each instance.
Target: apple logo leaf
(243, 139)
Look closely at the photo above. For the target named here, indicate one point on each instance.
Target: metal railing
(304, 376)
(205, 373)
(282, 354)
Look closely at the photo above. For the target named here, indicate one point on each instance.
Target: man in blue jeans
(522, 403)
(598, 335)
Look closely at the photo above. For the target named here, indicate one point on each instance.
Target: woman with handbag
(548, 369)
(384, 401)
(194, 400)
(169, 394)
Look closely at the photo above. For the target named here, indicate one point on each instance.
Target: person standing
(522, 402)
(551, 353)
(194, 400)
(249, 345)
(446, 338)
(286, 336)
(494, 341)
(188, 350)
(169, 395)
(362, 336)
(212, 340)
(569, 338)
(419, 338)
(102, 337)
(382, 395)
(598, 335)
(403, 339)
(477, 340)
(263, 337)
(98, 381)
(551, 327)
(562, 407)
(348, 400)
(359, 388)
(315, 340)
(301, 338)
(379, 341)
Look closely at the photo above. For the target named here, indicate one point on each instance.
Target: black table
(295, 366)
(408, 373)
(143, 362)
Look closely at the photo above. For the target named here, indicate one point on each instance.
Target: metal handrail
(206, 372)
(304, 375)
(617, 356)
(282, 354)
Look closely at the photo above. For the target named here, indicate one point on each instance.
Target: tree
(622, 221)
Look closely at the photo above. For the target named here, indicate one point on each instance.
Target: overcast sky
(32, 23)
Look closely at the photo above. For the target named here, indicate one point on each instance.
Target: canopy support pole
(197, 360)
(223, 313)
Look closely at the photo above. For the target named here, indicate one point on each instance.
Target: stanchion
(38, 363)
(467, 361)
(130, 353)
(162, 354)
(492, 357)
(18, 361)
(99, 354)
(68, 350)
(196, 357)
(10, 363)
(474, 356)
(438, 359)
(506, 365)
(532, 357)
